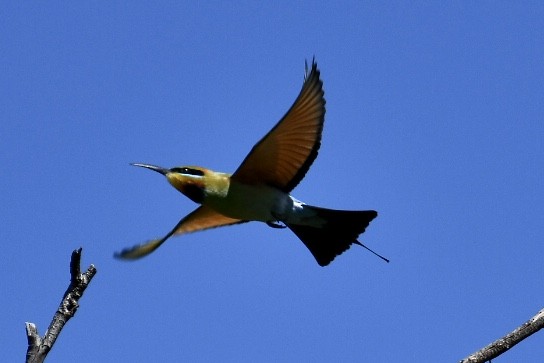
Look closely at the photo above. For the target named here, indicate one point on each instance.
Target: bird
(259, 189)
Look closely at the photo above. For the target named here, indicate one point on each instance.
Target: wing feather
(200, 219)
(284, 155)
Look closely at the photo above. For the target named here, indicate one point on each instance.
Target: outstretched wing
(200, 219)
(284, 155)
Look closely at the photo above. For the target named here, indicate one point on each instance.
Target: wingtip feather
(138, 251)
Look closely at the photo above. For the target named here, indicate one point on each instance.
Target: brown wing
(284, 155)
(200, 219)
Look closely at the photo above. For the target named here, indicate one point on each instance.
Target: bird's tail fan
(340, 229)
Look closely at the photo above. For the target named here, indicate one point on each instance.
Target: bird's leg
(275, 225)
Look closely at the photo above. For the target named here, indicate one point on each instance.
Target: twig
(38, 347)
(501, 345)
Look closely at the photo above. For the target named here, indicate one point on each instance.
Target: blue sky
(434, 118)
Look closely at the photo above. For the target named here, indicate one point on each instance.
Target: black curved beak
(158, 169)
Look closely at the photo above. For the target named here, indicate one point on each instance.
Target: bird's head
(193, 181)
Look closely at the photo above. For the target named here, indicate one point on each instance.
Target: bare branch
(38, 347)
(501, 345)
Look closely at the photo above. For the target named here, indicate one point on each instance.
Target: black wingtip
(313, 69)
(122, 255)
(138, 251)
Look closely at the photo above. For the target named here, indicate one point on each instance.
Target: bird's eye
(189, 171)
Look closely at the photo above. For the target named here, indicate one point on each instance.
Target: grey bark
(501, 345)
(39, 347)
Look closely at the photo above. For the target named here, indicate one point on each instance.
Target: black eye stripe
(189, 171)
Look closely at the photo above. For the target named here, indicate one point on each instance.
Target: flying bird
(259, 189)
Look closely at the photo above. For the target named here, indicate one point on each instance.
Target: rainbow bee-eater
(259, 189)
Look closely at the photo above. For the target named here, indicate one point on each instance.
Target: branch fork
(39, 347)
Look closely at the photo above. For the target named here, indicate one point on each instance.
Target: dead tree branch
(39, 347)
(501, 345)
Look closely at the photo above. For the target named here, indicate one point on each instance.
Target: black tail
(340, 230)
